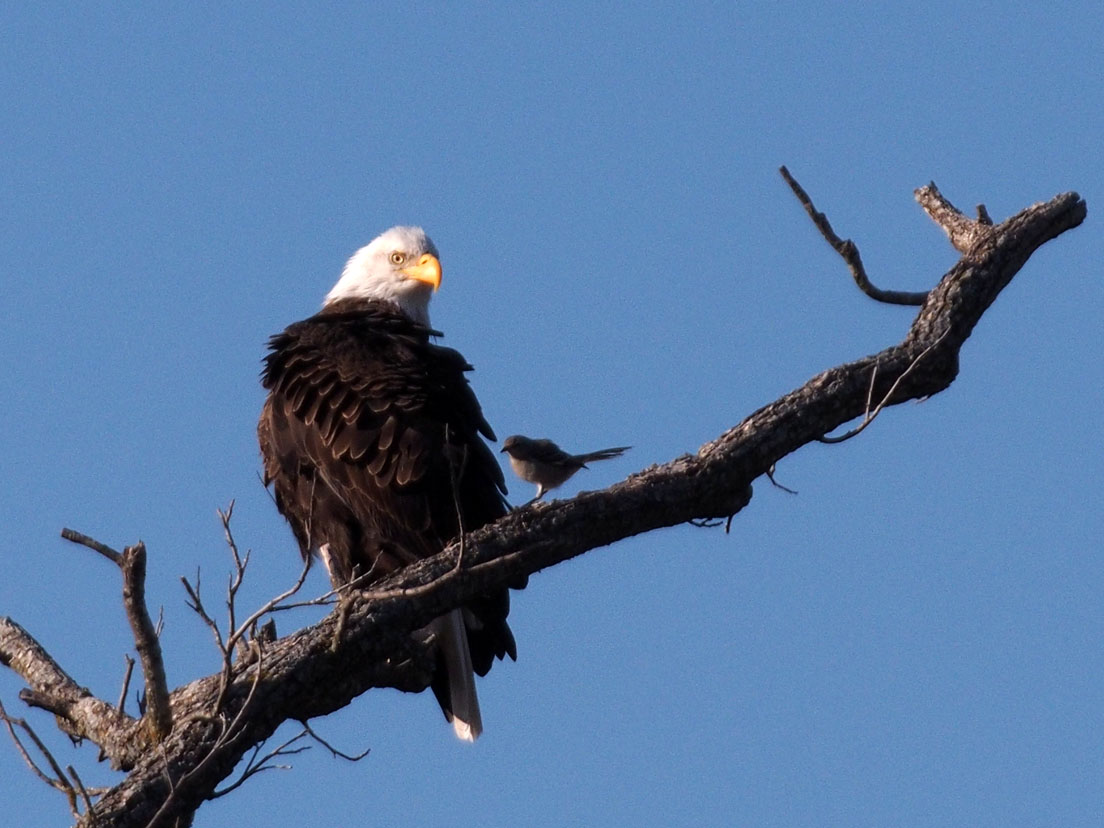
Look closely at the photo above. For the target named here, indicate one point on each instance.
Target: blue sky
(913, 639)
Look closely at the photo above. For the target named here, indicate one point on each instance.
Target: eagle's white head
(401, 266)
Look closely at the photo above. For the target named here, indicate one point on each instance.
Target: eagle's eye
(398, 257)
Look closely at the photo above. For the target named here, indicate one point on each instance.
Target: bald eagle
(373, 443)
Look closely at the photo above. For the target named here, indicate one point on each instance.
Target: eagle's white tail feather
(453, 638)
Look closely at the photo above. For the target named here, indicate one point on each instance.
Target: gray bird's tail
(602, 454)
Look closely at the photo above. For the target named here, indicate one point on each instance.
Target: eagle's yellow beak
(428, 270)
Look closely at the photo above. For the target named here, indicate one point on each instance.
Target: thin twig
(775, 483)
(409, 592)
(269, 606)
(105, 550)
(238, 576)
(224, 647)
(235, 633)
(456, 476)
(225, 517)
(870, 415)
(58, 782)
(870, 388)
(334, 751)
(849, 252)
(126, 683)
(327, 599)
(255, 765)
(195, 603)
(80, 787)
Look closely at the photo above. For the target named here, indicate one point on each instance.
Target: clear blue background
(914, 639)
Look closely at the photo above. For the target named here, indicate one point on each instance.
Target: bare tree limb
(80, 714)
(132, 563)
(963, 231)
(312, 672)
(158, 715)
(849, 252)
(105, 550)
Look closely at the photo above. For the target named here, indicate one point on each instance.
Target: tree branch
(963, 232)
(312, 672)
(93, 544)
(58, 781)
(126, 683)
(80, 714)
(158, 716)
(849, 252)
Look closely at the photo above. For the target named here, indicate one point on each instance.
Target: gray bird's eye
(398, 257)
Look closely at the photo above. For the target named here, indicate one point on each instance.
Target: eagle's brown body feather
(372, 440)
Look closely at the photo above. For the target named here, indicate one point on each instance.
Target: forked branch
(132, 563)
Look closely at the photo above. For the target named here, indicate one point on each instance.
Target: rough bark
(367, 642)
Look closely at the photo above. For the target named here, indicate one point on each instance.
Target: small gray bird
(546, 464)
